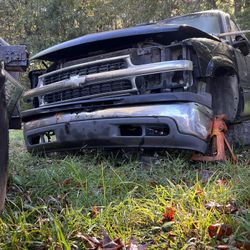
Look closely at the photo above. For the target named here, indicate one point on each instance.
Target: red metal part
(218, 141)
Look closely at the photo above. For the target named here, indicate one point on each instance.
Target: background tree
(42, 23)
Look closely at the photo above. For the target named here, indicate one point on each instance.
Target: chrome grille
(81, 83)
(85, 70)
(89, 91)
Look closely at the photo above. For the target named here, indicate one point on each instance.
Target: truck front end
(140, 95)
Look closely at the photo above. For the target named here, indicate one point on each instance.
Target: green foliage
(40, 24)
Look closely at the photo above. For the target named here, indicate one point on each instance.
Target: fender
(218, 62)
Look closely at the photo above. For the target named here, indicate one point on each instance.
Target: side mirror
(242, 44)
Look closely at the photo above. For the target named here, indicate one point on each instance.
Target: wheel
(3, 146)
(239, 134)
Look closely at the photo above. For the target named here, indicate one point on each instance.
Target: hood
(120, 39)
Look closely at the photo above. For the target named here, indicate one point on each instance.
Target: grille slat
(91, 90)
(99, 68)
(97, 89)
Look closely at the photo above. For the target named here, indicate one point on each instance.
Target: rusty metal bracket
(218, 141)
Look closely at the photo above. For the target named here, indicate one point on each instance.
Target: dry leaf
(243, 245)
(171, 235)
(224, 247)
(107, 243)
(58, 247)
(78, 185)
(213, 205)
(90, 242)
(230, 208)
(219, 230)
(199, 192)
(134, 246)
(67, 182)
(169, 214)
(222, 182)
(94, 212)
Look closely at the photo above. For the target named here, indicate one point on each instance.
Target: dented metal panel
(120, 38)
(162, 126)
(13, 91)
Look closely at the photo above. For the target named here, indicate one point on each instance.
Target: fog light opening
(130, 130)
(46, 137)
(157, 130)
(50, 136)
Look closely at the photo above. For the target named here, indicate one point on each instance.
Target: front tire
(3, 147)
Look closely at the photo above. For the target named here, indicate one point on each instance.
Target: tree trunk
(3, 144)
(237, 6)
(213, 4)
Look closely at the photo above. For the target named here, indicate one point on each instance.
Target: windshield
(206, 22)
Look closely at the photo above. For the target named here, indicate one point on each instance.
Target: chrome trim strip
(128, 73)
(133, 90)
(81, 65)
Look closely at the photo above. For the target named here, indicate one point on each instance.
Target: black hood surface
(119, 39)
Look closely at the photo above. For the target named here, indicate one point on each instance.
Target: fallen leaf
(58, 247)
(90, 242)
(94, 212)
(169, 214)
(171, 235)
(213, 205)
(199, 192)
(243, 245)
(230, 208)
(107, 243)
(225, 247)
(134, 246)
(219, 230)
(195, 225)
(78, 185)
(153, 183)
(222, 182)
(67, 182)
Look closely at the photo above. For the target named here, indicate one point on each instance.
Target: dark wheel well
(224, 88)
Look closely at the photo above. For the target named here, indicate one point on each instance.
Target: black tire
(3, 147)
(239, 134)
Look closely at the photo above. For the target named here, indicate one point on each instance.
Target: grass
(53, 200)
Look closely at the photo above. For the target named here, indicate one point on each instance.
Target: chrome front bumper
(180, 125)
